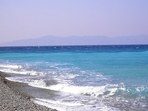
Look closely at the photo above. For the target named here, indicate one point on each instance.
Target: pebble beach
(11, 99)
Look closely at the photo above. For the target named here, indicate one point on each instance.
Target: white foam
(141, 88)
(17, 69)
(73, 106)
(52, 104)
(38, 83)
(77, 90)
(85, 90)
(16, 79)
(22, 72)
(61, 102)
(24, 79)
(10, 66)
(65, 78)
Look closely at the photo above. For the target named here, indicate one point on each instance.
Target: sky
(24, 19)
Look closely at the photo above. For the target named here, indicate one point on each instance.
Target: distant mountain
(79, 40)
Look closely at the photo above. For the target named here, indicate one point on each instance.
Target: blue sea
(84, 78)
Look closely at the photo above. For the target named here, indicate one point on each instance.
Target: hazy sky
(21, 19)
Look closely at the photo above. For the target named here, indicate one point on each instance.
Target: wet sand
(13, 98)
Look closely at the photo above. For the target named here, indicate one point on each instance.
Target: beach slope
(13, 100)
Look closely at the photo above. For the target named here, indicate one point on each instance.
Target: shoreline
(13, 98)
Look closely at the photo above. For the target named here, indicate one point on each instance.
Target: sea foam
(18, 69)
(106, 90)
(14, 66)
(74, 106)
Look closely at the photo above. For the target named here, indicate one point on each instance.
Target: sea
(82, 78)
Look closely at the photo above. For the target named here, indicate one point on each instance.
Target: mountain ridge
(79, 40)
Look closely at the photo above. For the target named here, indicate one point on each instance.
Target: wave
(64, 81)
(18, 69)
(106, 90)
(14, 66)
(21, 72)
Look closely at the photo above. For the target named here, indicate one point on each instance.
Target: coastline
(14, 99)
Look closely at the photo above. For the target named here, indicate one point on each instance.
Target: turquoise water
(91, 78)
